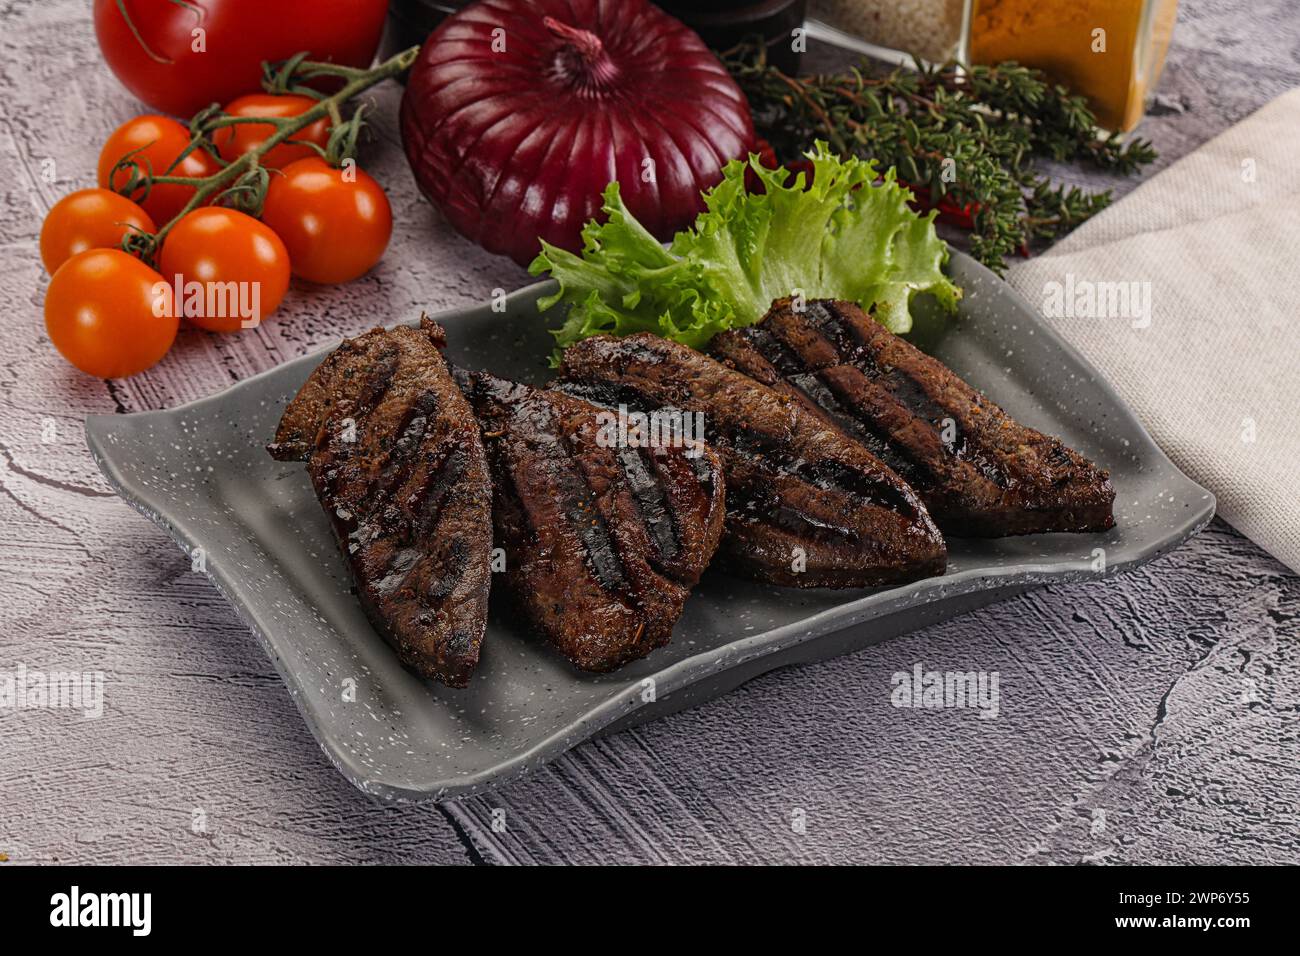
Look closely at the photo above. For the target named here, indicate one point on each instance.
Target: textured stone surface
(1150, 718)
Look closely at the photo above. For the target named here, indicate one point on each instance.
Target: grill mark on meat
(775, 363)
(908, 392)
(396, 459)
(840, 345)
(780, 355)
(816, 390)
(792, 479)
(847, 340)
(826, 474)
(783, 369)
(610, 396)
(577, 498)
(378, 376)
(980, 472)
(595, 535)
(583, 513)
(411, 434)
(373, 381)
(442, 585)
(751, 443)
(853, 351)
(803, 524)
(766, 506)
(768, 360)
(448, 470)
(650, 500)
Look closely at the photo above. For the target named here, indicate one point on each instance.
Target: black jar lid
(724, 23)
(420, 12)
(721, 23)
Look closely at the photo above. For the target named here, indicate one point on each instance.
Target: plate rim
(672, 677)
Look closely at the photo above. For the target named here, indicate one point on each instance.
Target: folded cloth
(1186, 295)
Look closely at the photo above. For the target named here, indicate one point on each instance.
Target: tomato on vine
(233, 141)
(109, 314)
(88, 219)
(155, 142)
(335, 222)
(214, 246)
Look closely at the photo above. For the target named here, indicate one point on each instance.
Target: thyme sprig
(967, 141)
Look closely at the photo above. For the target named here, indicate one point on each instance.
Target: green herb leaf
(840, 237)
(970, 138)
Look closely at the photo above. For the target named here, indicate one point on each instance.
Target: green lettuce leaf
(841, 238)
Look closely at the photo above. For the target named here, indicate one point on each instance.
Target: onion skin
(517, 145)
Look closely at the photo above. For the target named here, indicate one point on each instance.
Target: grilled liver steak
(395, 456)
(980, 472)
(603, 540)
(806, 506)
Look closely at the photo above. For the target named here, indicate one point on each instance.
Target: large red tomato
(165, 68)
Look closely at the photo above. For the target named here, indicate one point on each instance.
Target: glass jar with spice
(929, 29)
(1110, 51)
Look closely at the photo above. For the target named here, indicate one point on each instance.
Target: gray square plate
(200, 472)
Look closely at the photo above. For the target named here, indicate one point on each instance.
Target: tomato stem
(242, 175)
(135, 32)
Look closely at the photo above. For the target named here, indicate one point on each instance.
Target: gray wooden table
(1150, 718)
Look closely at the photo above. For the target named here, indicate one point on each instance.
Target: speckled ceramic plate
(200, 471)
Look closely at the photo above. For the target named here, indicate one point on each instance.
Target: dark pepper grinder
(724, 23)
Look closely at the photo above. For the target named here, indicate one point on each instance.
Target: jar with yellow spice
(1110, 51)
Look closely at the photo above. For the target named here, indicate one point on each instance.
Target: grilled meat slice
(806, 506)
(397, 462)
(980, 472)
(603, 540)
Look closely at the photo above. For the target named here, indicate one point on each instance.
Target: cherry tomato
(233, 141)
(335, 226)
(109, 314)
(181, 57)
(214, 246)
(88, 219)
(163, 140)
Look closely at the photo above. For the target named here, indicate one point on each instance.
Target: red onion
(516, 144)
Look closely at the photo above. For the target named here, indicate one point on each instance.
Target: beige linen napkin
(1186, 295)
